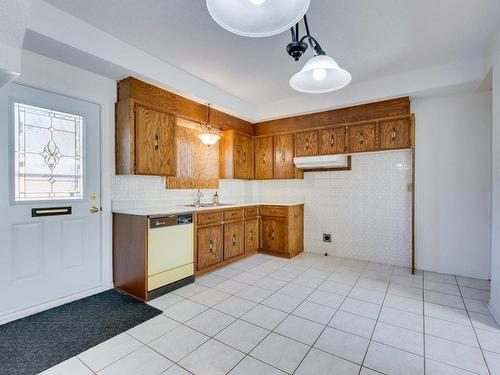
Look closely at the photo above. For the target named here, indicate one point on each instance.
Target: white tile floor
(309, 315)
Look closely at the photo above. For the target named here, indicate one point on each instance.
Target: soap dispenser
(216, 198)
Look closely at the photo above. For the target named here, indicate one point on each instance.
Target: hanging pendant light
(321, 74)
(257, 18)
(210, 135)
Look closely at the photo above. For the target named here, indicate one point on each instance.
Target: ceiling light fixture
(321, 74)
(210, 135)
(257, 18)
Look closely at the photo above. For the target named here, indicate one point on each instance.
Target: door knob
(94, 210)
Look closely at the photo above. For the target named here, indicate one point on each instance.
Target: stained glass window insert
(48, 148)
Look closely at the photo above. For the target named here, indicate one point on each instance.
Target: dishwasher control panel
(171, 220)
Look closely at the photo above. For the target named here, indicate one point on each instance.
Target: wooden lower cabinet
(234, 239)
(224, 236)
(282, 230)
(252, 235)
(209, 246)
(273, 234)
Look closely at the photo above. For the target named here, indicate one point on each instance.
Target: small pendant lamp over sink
(210, 135)
(257, 18)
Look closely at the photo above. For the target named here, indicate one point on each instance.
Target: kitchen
(344, 232)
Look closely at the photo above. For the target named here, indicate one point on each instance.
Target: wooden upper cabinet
(236, 159)
(395, 133)
(155, 152)
(234, 239)
(264, 158)
(306, 143)
(362, 138)
(283, 156)
(209, 246)
(332, 141)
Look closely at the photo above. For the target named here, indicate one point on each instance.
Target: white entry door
(49, 199)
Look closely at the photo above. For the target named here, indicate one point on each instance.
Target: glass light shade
(320, 75)
(209, 138)
(257, 18)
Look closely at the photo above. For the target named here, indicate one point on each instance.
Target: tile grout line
(376, 322)
(327, 324)
(473, 328)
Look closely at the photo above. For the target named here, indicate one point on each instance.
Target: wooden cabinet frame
(292, 218)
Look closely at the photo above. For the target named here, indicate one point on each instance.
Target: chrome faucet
(199, 195)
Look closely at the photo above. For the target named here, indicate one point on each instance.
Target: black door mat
(38, 342)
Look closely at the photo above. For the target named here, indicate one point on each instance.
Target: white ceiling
(372, 39)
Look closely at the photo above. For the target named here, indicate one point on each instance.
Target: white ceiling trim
(71, 34)
(450, 77)
(51, 22)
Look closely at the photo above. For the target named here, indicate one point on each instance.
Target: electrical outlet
(327, 237)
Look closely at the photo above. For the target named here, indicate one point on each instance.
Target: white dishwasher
(170, 253)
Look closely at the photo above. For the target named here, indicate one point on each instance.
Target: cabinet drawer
(205, 218)
(234, 214)
(251, 211)
(273, 211)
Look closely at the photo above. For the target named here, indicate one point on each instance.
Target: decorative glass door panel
(48, 147)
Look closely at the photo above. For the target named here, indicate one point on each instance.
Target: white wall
(495, 224)
(453, 174)
(367, 210)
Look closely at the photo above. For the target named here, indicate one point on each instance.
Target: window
(48, 148)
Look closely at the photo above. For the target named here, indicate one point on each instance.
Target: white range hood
(322, 162)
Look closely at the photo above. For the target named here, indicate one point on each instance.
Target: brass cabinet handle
(234, 239)
(272, 235)
(157, 140)
(263, 158)
(362, 138)
(251, 235)
(307, 143)
(393, 134)
(283, 155)
(332, 140)
(211, 245)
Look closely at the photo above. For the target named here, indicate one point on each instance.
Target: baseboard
(494, 313)
(48, 305)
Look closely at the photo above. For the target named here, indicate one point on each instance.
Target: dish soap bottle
(216, 198)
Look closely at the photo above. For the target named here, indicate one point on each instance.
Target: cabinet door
(234, 239)
(155, 142)
(273, 234)
(332, 141)
(362, 138)
(306, 143)
(395, 134)
(243, 148)
(264, 158)
(283, 156)
(209, 246)
(251, 235)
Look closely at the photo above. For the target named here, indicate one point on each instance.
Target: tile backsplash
(150, 191)
(366, 210)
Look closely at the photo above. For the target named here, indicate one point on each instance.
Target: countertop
(179, 209)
